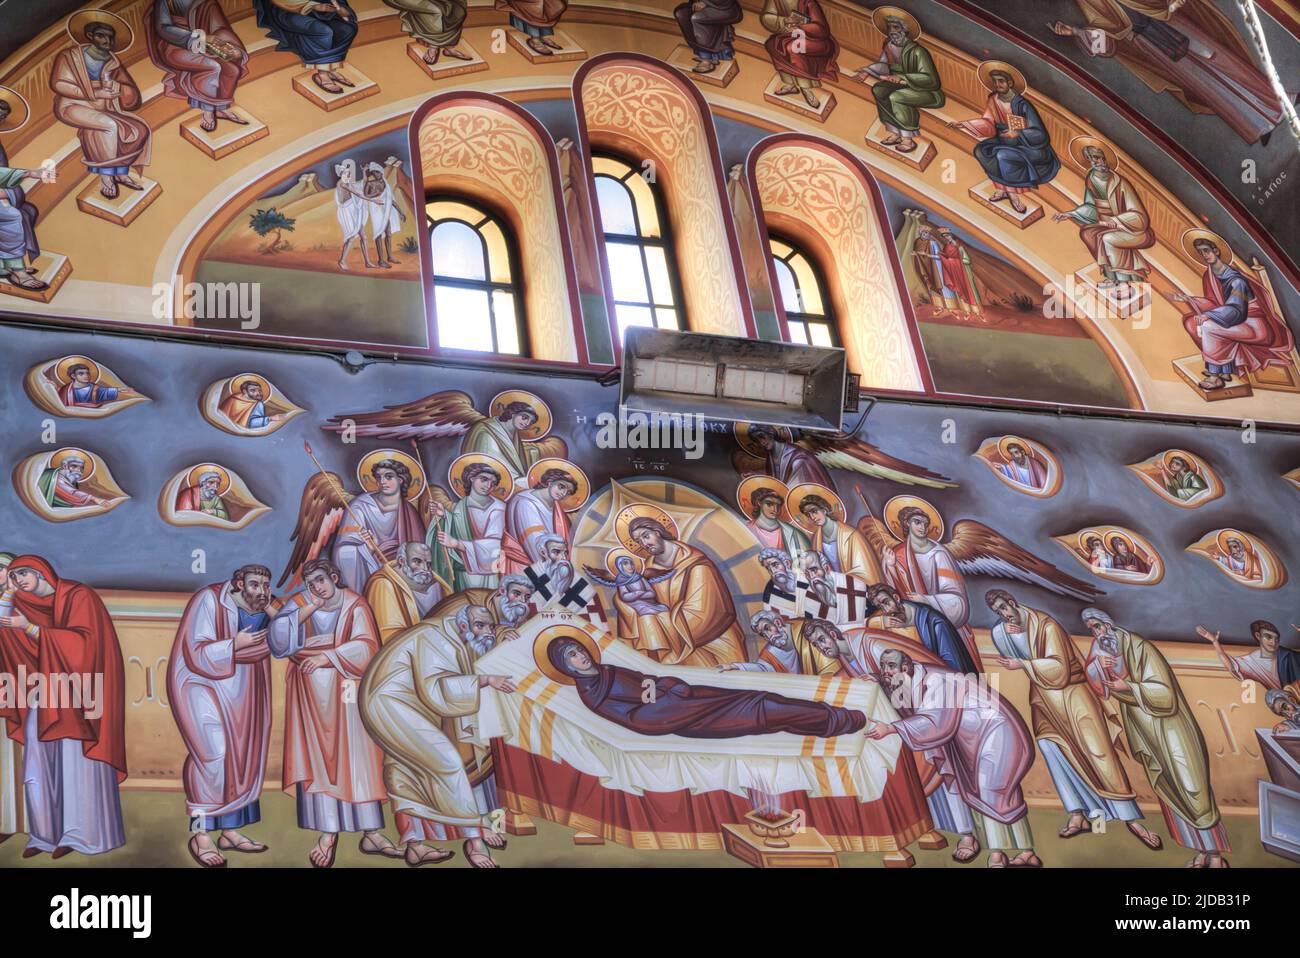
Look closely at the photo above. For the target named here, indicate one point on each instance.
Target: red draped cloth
(816, 59)
(199, 77)
(76, 638)
(538, 786)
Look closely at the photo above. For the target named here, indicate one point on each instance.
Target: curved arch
(487, 148)
(827, 199)
(638, 106)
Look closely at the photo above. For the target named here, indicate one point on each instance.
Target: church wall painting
(352, 514)
(997, 541)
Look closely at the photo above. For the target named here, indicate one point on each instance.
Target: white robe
(530, 517)
(351, 211)
(383, 213)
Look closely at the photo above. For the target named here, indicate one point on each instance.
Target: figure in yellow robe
(703, 628)
(392, 594)
(852, 555)
(1162, 733)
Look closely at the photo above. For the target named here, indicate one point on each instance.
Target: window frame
(666, 241)
(828, 317)
(489, 286)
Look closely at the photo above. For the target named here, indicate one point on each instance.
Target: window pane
(440, 210)
(457, 251)
(464, 321)
(626, 272)
(632, 316)
(503, 310)
(798, 331)
(615, 201)
(660, 285)
(779, 249)
(821, 334)
(809, 291)
(667, 319)
(646, 208)
(498, 255)
(789, 288)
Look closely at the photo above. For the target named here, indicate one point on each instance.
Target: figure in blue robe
(320, 39)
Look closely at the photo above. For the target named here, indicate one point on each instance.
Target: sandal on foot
(198, 856)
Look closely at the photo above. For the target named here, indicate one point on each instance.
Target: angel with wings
(514, 432)
(633, 586)
(775, 451)
(360, 533)
(922, 568)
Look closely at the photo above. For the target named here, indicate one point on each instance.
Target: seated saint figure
(319, 34)
(95, 95)
(693, 711)
(201, 57)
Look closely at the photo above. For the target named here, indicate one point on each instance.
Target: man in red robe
(1234, 322)
(60, 648)
(801, 46)
(201, 57)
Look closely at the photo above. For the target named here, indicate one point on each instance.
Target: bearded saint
(704, 630)
(219, 687)
(402, 594)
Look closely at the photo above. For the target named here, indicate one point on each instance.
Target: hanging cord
(1251, 16)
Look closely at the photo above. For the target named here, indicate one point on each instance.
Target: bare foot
(494, 840)
(550, 42)
(340, 78)
(966, 849)
(23, 280)
(811, 98)
(537, 46)
(478, 855)
(373, 843)
(1147, 837)
(322, 853)
(209, 121)
(231, 117)
(232, 841)
(326, 83)
(417, 854)
(1026, 860)
(787, 90)
(456, 53)
(432, 55)
(997, 860)
(1016, 205)
(204, 852)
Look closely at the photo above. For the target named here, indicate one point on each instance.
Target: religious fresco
(423, 588)
(1026, 466)
(1180, 477)
(80, 387)
(247, 405)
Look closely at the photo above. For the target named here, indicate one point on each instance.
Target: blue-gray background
(131, 547)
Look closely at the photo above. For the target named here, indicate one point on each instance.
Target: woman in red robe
(74, 739)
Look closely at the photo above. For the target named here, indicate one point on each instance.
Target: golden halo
(641, 510)
(1001, 66)
(741, 430)
(1225, 534)
(71, 452)
(542, 645)
(236, 383)
(612, 557)
(796, 496)
(501, 490)
(368, 461)
(879, 14)
(544, 419)
(193, 478)
(897, 504)
(1192, 235)
(1086, 534)
(78, 22)
(580, 495)
(19, 111)
(1186, 457)
(1116, 534)
(751, 484)
(62, 367)
(1007, 441)
(1076, 152)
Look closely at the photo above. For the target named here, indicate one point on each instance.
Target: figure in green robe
(1131, 675)
(907, 82)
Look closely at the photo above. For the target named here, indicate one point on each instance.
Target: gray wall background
(131, 547)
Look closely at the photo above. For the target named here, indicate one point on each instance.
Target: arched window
(808, 313)
(476, 296)
(638, 247)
